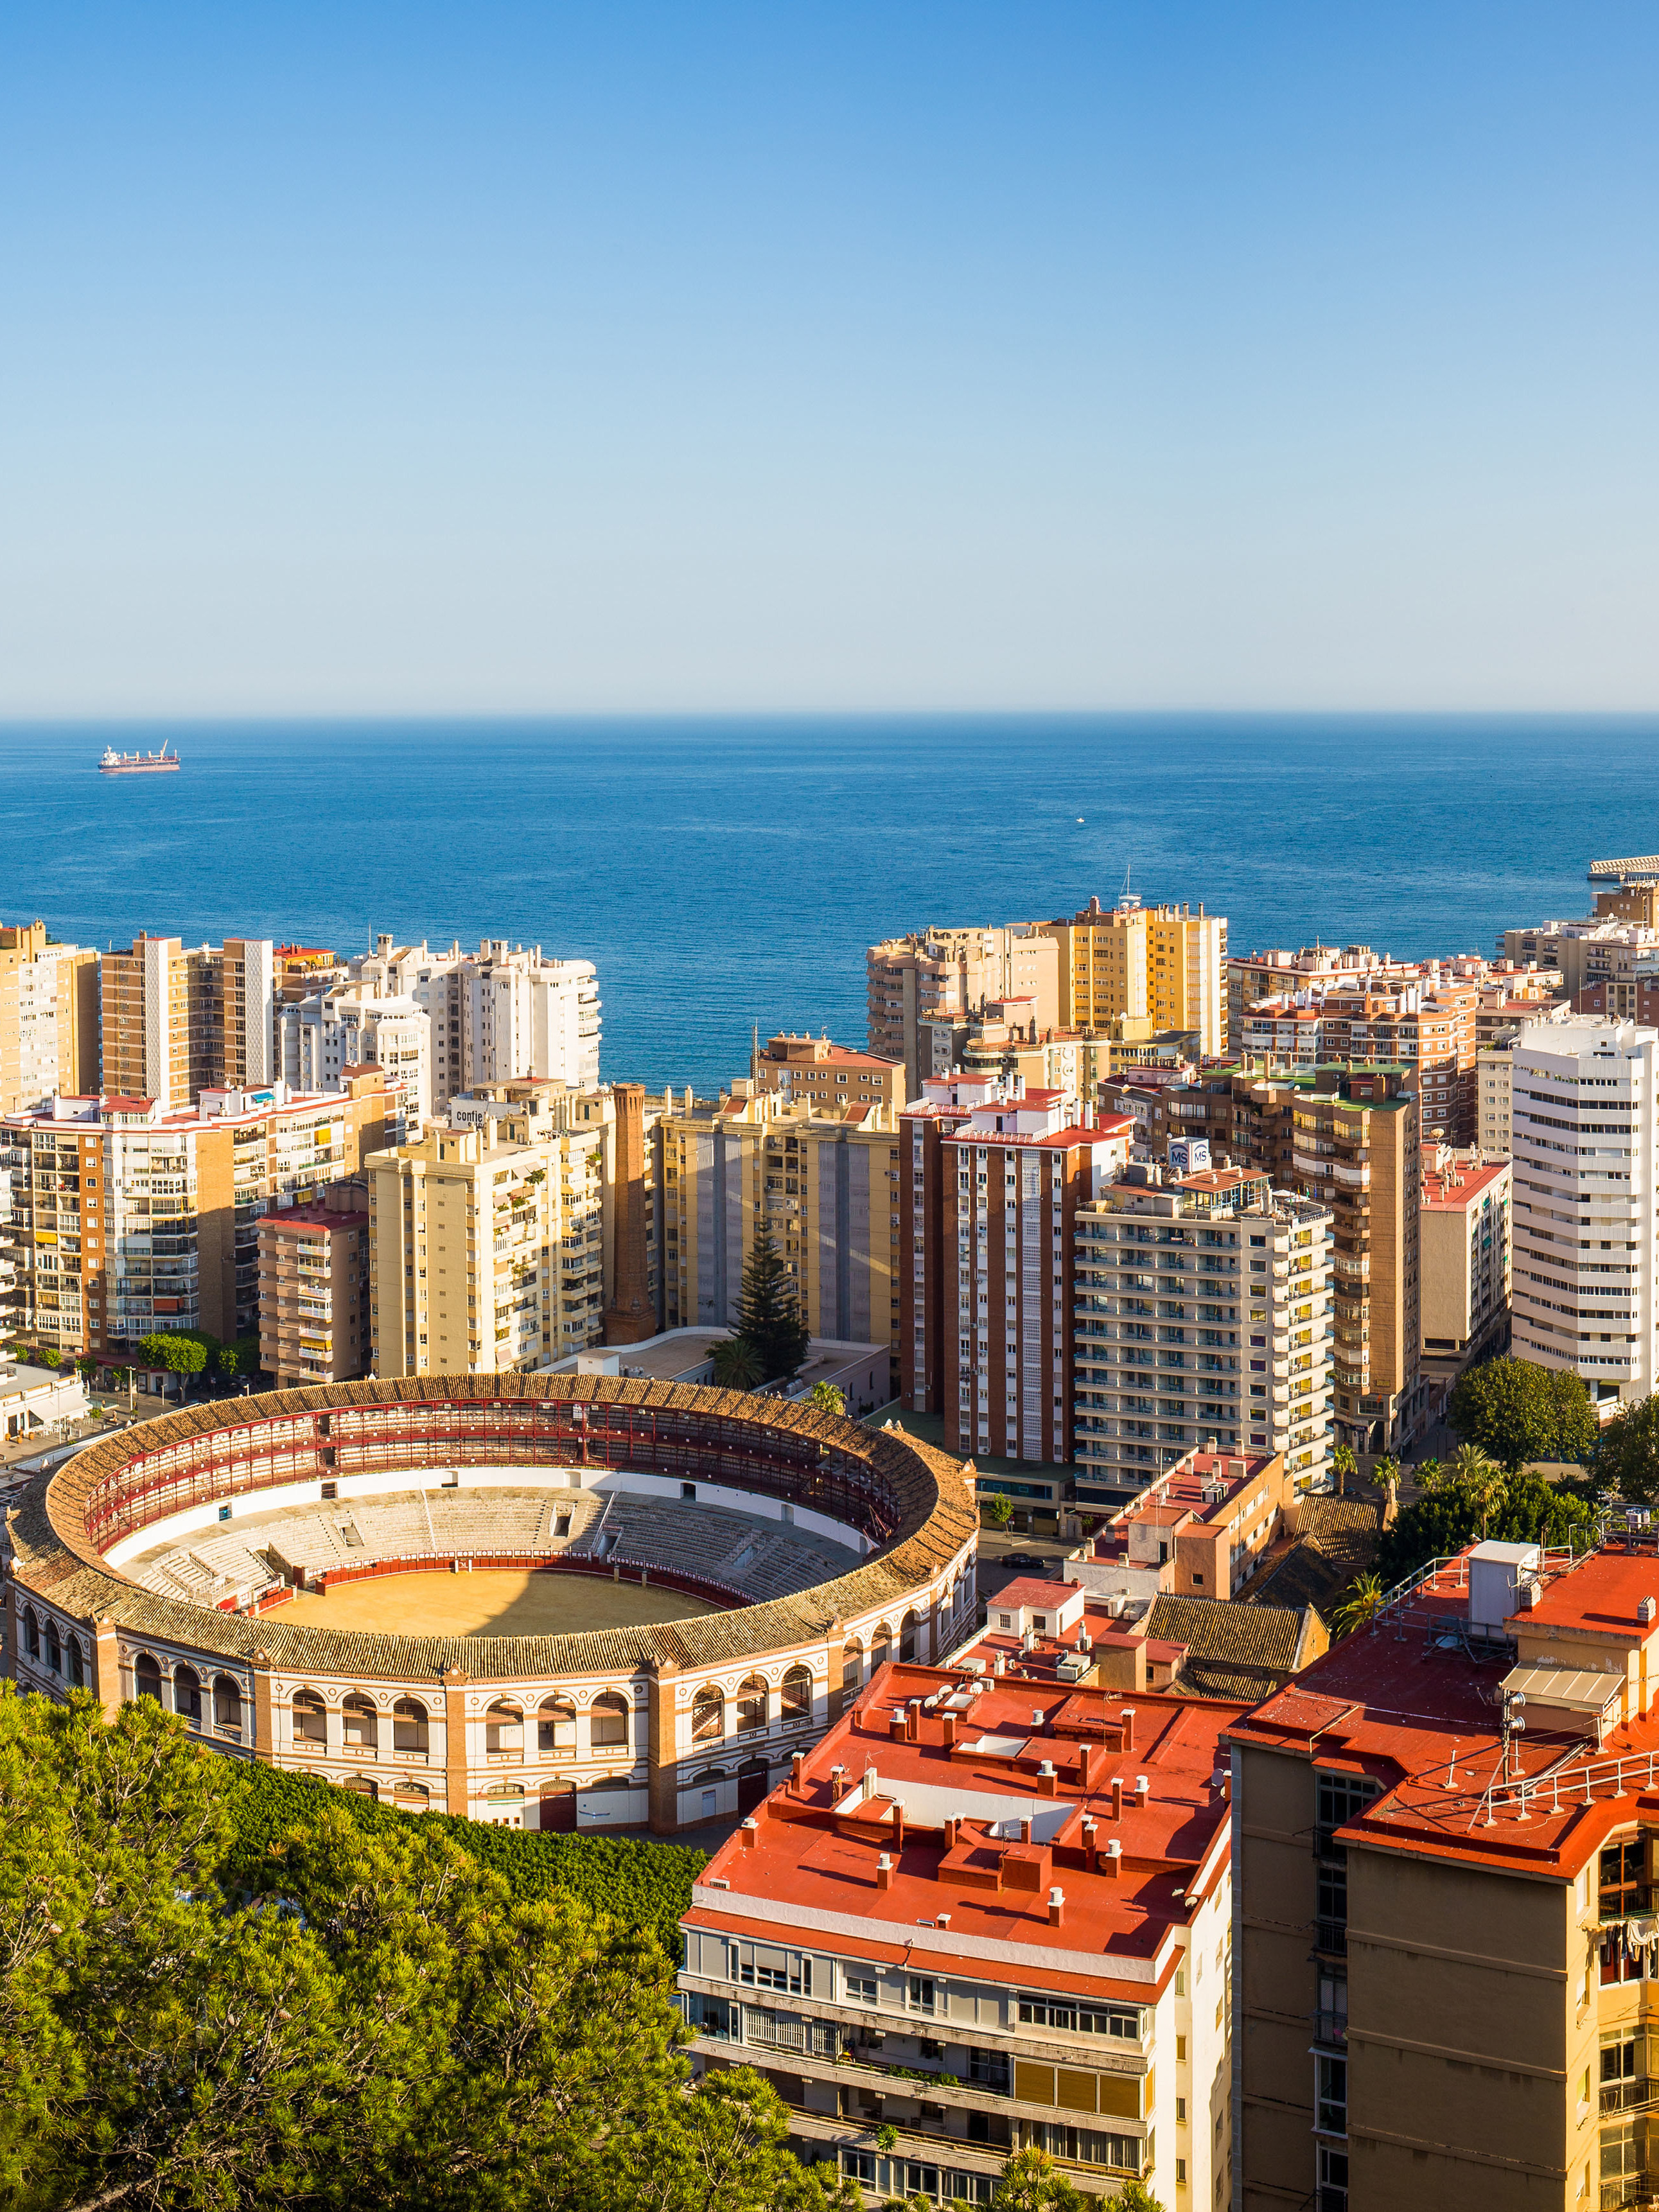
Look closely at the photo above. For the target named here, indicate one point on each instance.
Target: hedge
(640, 1882)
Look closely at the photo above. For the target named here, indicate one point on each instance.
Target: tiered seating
(467, 1522)
(780, 1564)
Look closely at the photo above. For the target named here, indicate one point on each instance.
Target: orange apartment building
(825, 1074)
(314, 1288)
(177, 1021)
(1445, 1859)
(935, 973)
(48, 1017)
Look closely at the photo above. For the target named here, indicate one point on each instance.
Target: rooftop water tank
(1496, 1574)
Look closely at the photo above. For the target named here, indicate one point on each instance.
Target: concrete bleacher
(740, 1554)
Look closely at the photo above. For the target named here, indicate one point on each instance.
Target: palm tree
(1345, 1467)
(735, 1367)
(1359, 1606)
(827, 1398)
(1481, 1476)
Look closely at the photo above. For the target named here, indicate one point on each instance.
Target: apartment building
(177, 1020)
(48, 1017)
(953, 973)
(314, 1288)
(1584, 1127)
(1464, 1235)
(823, 1181)
(128, 1219)
(989, 1194)
(1165, 963)
(822, 1074)
(1349, 1137)
(1444, 1849)
(1492, 1077)
(322, 1039)
(610, 1263)
(1202, 1310)
(985, 1914)
(486, 1244)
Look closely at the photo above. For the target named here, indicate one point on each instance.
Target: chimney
(1111, 1859)
(899, 1824)
(884, 1871)
(1037, 1719)
(912, 1724)
(1091, 1829)
(797, 1766)
(1646, 1611)
(1056, 1907)
(1126, 1721)
(895, 1726)
(1026, 1832)
(1047, 1780)
(1143, 1791)
(1085, 1760)
(941, 1920)
(949, 1835)
(1117, 1796)
(750, 1833)
(1227, 1787)
(950, 1727)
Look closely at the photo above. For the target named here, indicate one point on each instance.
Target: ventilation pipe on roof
(1111, 1859)
(1117, 1796)
(895, 1726)
(1037, 1716)
(899, 1824)
(1646, 1610)
(797, 1766)
(750, 1833)
(1056, 1907)
(884, 1871)
(1047, 1780)
(941, 1920)
(1143, 1791)
(1126, 1721)
(950, 1728)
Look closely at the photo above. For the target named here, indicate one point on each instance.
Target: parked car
(1019, 1559)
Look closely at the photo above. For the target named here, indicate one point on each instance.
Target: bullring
(167, 1561)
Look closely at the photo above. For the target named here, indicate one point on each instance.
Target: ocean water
(727, 873)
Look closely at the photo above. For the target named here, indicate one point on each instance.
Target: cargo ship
(114, 763)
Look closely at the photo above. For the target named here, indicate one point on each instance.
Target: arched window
(227, 1704)
(796, 1703)
(908, 1630)
(608, 1728)
(708, 1715)
(413, 1796)
(881, 1647)
(146, 1678)
(31, 1633)
(751, 1705)
(360, 1723)
(555, 1726)
(360, 1785)
(504, 1731)
(187, 1695)
(409, 1730)
(852, 1663)
(709, 1774)
(310, 1717)
(74, 1669)
(54, 1648)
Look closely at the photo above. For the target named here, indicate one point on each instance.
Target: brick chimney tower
(631, 1317)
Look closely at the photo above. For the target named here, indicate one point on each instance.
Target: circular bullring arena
(553, 1601)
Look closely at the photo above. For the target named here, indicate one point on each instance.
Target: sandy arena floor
(490, 1601)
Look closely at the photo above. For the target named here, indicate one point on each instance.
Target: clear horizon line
(13, 720)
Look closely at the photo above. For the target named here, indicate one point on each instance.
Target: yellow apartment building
(48, 1018)
(1165, 963)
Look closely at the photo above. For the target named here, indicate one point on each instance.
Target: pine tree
(768, 1314)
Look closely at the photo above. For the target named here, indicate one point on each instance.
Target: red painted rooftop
(1406, 1702)
(811, 1853)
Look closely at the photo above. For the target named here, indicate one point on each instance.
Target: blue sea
(725, 873)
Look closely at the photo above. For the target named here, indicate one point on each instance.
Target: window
(1338, 1799)
(146, 1678)
(187, 1695)
(988, 2070)
(359, 1722)
(310, 1717)
(763, 1966)
(796, 1703)
(751, 1706)
(503, 1731)
(1622, 2078)
(1332, 1907)
(1333, 2172)
(1331, 2096)
(408, 1725)
(609, 1727)
(555, 1725)
(861, 1989)
(55, 1650)
(227, 1704)
(1120, 2021)
(921, 1992)
(851, 1665)
(32, 1634)
(1623, 1879)
(708, 1716)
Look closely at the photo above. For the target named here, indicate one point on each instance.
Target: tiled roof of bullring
(54, 1555)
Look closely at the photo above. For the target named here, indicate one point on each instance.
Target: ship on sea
(114, 763)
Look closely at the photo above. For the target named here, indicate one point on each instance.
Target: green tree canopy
(176, 1354)
(1032, 2183)
(360, 2014)
(1517, 1509)
(768, 1313)
(827, 1398)
(736, 1364)
(1627, 1452)
(1517, 1412)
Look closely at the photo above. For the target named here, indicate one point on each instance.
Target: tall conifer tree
(769, 1312)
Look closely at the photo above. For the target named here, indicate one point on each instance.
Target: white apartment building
(322, 1036)
(1202, 1317)
(501, 1013)
(1493, 1072)
(1583, 1131)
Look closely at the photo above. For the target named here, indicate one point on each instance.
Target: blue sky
(393, 358)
